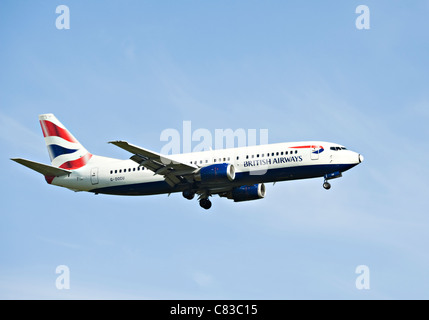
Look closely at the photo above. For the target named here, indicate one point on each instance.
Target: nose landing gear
(330, 176)
(326, 185)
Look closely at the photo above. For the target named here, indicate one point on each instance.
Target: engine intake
(247, 193)
(215, 173)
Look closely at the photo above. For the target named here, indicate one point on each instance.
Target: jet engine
(246, 193)
(216, 173)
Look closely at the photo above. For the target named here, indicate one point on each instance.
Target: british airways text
(264, 162)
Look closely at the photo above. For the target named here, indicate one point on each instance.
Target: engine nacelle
(222, 172)
(246, 193)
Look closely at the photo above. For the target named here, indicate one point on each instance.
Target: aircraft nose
(361, 158)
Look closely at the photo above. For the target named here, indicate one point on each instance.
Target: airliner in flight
(239, 174)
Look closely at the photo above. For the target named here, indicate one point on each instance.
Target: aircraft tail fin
(64, 149)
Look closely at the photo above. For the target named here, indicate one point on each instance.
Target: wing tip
(116, 142)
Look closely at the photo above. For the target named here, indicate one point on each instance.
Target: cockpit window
(338, 148)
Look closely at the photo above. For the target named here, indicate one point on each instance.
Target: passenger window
(214, 160)
(257, 156)
(253, 156)
(120, 171)
(247, 157)
(287, 152)
(238, 158)
(281, 153)
(296, 151)
(277, 154)
(272, 154)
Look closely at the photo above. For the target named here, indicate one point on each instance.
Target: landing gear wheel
(326, 185)
(205, 203)
(188, 194)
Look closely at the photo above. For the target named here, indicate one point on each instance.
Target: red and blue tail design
(65, 151)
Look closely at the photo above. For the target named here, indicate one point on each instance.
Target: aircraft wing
(42, 168)
(173, 171)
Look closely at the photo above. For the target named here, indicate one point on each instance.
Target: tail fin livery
(64, 149)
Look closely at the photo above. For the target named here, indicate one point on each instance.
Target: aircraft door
(314, 152)
(94, 176)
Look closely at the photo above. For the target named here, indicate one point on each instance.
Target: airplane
(238, 174)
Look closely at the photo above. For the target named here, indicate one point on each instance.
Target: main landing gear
(203, 198)
(205, 203)
(188, 194)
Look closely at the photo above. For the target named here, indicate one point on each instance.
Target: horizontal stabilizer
(44, 169)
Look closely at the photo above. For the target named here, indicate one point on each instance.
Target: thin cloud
(203, 279)
(17, 136)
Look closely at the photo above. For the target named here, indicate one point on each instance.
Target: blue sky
(301, 69)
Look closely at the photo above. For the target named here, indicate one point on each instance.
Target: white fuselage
(236, 173)
(255, 164)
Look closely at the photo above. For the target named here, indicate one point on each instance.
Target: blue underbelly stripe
(241, 178)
